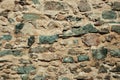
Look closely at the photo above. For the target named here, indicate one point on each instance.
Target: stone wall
(59, 40)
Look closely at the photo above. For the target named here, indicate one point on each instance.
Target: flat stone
(11, 52)
(91, 39)
(38, 49)
(115, 53)
(25, 69)
(48, 39)
(115, 28)
(100, 53)
(116, 6)
(7, 37)
(36, 1)
(24, 77)
(68, 60)
(31, 16)
(109, 15)
(54, 5)
(63, 78)
(82, 58)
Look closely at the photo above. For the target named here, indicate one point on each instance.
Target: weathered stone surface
(116, 6)
(84, 6)
(7, 37)
(11, 52)
(36, 1)
(115, 28)
(63, 78)
(91, 39)
(24, 77)
(54, 5)
(68, 60)
(109, 15)
(25, 69)
(115, 53)
(83, 58)
(100, 53)
(40, 78)
(31, 16)
(48, 39)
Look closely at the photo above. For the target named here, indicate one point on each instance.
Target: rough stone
(18, 27)
(31, 40)
(115, 53)
(100, 53)
(39, 78)
(36, 1)
(91, 39)
(84, 6)
(7, 37)
(102, 69)
(83, 58)
(63, 78)
(115, 28)
(48, 39)
(109, 15)
(68, 60)
(25, 69)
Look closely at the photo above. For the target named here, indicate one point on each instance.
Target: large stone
(116, 6)
(25, 69)
(115, 53)
(48, 39)
(100, 53)
(54, 5)
(83, 58)
(115, 28)
(91, 39)
(109, 15)
(84, 6)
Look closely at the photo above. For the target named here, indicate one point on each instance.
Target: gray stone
(24, 77)
(7, 37)
(48, 39)
(116, 6)
(84, 6)
(83, 58)
(115, 28)
(8, 46)
(68, 60)
(115, 53)
(100, 53)
(63, 78)
(36, 1)
(109, 15)
(25, 69)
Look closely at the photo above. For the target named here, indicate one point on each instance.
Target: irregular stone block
(84, 6)
(25, 69)
(48, 39)
(31, 40)
(63, 78)
(100, 53)
(109, 15)
(7, 37)
(83, 58)
(91, 39)
(115, 53)
(115, 28)
(36, 1)
(18, 27)
(116, 6)
(102, 69)
(40, 78)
